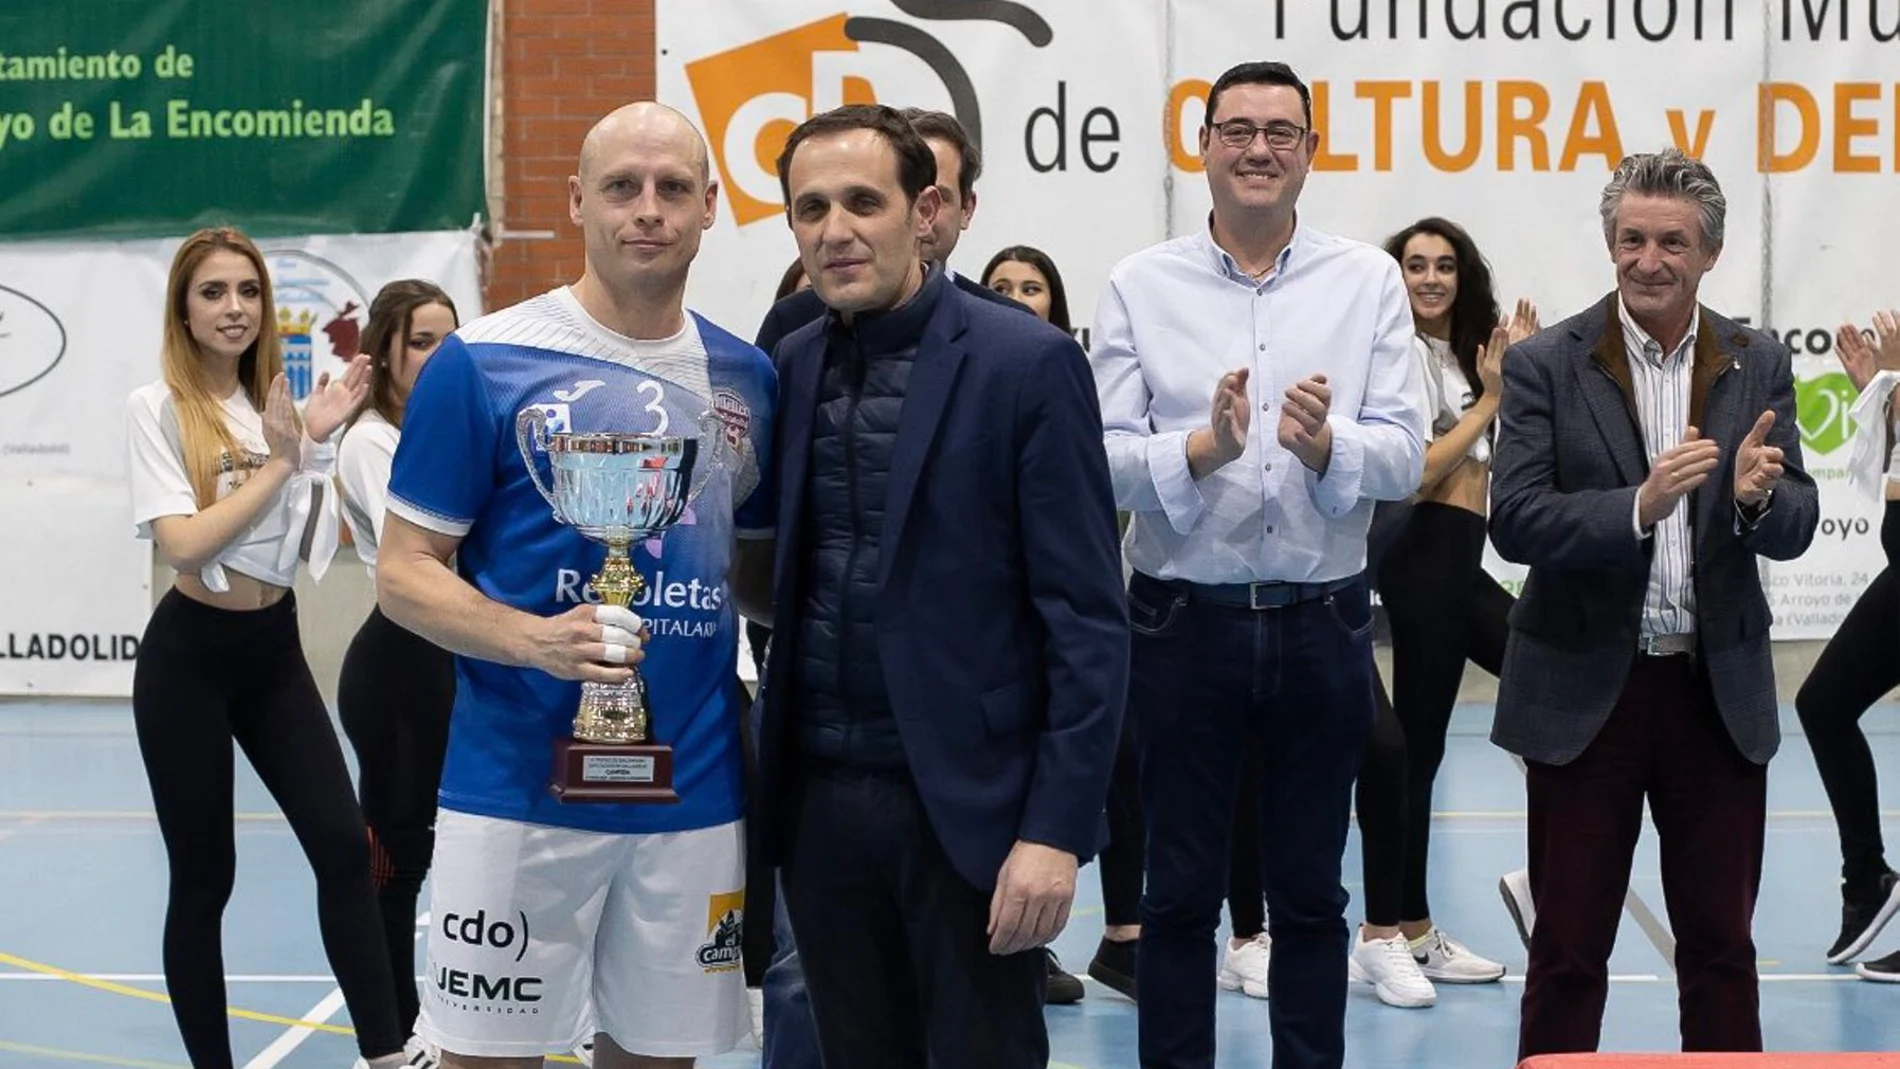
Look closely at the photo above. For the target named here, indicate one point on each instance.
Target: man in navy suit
(944, 691)
(959, 165)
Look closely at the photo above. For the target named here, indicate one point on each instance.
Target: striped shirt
(1662, 410)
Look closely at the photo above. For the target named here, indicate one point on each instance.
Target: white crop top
(363, 463)
(1867, 470)
(267, 549)
(1448, 394)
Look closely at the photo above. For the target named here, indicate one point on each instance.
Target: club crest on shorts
(725, 930)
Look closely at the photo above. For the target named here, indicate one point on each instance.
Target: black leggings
(1444, 609)
(1123, 859)
(208, 676)
(394, 696)
(1858, 666)
(1379, 801)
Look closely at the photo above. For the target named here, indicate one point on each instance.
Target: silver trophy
(617, 489)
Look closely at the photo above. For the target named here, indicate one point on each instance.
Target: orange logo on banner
(726, 83)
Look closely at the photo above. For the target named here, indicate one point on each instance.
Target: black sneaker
(1863, 915)
(1063, 990)
(1884, 970)
(1114, 966)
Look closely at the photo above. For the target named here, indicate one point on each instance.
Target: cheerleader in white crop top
(1858, 667)
(232, 487)
(1442, 607)
(396, 689)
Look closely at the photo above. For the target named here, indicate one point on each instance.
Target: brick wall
(562, 64)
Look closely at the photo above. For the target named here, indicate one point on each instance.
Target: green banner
(147, 118)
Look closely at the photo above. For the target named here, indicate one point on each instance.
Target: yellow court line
(153, 996)
(81, 1056)
(108, 986)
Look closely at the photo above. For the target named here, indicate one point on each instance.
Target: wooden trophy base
(624, 772)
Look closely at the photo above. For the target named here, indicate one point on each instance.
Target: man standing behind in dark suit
(1647, 455)
(943, 696)
(959, 165)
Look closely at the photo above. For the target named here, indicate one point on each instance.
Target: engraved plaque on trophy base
(613, 772)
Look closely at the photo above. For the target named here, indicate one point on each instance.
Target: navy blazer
(1569, 461)
(1002, 622)
(798, 308)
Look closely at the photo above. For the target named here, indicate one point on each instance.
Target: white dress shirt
(1662, 408)
(1176, 317)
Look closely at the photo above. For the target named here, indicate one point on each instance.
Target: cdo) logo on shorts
(478, 930)
(725, 927)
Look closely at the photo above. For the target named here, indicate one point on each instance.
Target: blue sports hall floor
(82, 888)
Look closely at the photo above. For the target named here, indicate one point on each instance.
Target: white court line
(293, 1037)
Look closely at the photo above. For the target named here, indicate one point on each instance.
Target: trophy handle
(714, 453)
(531, 429)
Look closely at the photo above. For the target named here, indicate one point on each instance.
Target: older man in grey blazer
(1647, 454)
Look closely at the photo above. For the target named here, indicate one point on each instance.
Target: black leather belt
(1259, 596)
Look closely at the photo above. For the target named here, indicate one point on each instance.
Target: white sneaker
(1245, 970)
(1442, 958)
(1516, 889)
(418, 1054)
(1388, 965)
(585, 1053)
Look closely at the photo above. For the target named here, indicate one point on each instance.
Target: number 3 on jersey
(656, 403)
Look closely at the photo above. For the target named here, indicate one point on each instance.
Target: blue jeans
(1296, 685)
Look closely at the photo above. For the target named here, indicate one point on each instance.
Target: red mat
(1712, 1061)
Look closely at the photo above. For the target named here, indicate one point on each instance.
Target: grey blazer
(1568, 462)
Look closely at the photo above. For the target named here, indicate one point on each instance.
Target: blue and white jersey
(459, 471)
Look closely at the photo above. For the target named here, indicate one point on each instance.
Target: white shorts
(539, 936)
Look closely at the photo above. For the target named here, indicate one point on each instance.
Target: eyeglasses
(1239, 133)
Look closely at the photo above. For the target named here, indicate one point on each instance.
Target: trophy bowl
(616, 489)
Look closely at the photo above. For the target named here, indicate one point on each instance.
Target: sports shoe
(1516, 889)
(420, 1055)
(585, 1053)
(1884, 970)
(1863, 915)
(1442, 958)
(1114, 965)
(1245, 970)
(1063, 989)
(1388, 965)
(415, 1055)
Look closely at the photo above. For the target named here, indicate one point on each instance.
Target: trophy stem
(615, 712)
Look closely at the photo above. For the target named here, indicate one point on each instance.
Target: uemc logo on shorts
(481, 993)
(476, 930)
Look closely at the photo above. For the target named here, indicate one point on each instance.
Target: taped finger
(619, 616)
(619, 636)
(616, 653)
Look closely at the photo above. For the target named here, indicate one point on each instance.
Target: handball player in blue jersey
(550, 919)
